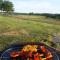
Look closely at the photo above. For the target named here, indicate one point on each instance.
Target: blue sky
(37, 6)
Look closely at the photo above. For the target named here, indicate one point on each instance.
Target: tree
(7, 6)
(1, 1)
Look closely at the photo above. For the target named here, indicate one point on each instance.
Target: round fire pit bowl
(17, 47)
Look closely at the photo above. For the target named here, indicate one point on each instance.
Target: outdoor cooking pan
(16, 47)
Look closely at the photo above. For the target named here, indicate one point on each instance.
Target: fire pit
(29, 51)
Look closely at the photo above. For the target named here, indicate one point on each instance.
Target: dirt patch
(10, 33)
(21, 32)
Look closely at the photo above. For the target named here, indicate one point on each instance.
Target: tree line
(47, 15)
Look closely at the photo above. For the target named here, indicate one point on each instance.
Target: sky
(36, 6)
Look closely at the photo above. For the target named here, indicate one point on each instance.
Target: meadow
(27, 28)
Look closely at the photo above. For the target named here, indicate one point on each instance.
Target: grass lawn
(25, 28)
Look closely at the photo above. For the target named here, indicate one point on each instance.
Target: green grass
(25, 28)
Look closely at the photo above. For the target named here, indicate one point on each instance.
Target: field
(27, 28)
